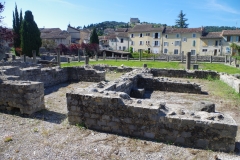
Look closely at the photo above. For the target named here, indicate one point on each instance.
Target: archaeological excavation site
(146, 103)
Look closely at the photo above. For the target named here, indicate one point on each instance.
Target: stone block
(204, 106)
(202, 143)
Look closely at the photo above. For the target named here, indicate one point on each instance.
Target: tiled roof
(111, 36)
(212, 35)
(145, 28)
(121, 30)
(122, 34)
(73, 28)
(53, 33)
(230, 32)
(183, 30)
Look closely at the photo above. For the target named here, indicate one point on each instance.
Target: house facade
(56, 35)
(179, 41)
(230, 36)
(145, 37)
(75, 34)
(211, 44)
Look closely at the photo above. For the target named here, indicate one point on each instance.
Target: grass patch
(150, 64)
(8, 139)
(218, 67)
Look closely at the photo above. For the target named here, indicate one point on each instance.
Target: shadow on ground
(52, 89)
(44, 115)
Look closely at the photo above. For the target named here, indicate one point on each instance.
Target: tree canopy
(17, 22)
(30, 35)
(94, 37)
(181, 21)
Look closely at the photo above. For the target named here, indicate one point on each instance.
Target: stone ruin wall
(26, 95)
(23, 86)
(106, 107)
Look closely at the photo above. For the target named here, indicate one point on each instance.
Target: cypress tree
(17, 21)
(94, 37)
(181, 22)
(30, 35)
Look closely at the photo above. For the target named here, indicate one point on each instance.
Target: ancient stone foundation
(22, 85)
(28, 96)
(108, 107)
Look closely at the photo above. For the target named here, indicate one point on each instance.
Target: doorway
(215, 52)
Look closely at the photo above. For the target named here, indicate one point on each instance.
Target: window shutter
(139, 34)
(230, 38)
(158, 43)
(153, 43)
(142, 35)
(159, 35)
(237, 39)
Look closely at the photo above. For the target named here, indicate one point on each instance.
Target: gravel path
(47, 135)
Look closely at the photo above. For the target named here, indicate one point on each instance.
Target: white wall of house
(75, 34)
(122, 43)
(112, 44)
(211, 47)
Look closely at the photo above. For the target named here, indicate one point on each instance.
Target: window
(140, 35)
(216, 43)
(177, 35)
(204, 50)
(165, 44)
(165, 51)
(156, 35)
(124, 48)
(237, 38)
(194, 43)
(166, 36)
(147, 42)
(184, 39)
(147, 34)
(156, 43)
(227, 50)
(132, 43)
(220, 42)
(121, 40)
(193, 52)
(175, 51)
(194, 35)
(177, 43)
(229, 38)
(132, 35)
(120, 48)
(140, 42)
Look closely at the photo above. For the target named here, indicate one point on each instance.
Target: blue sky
(59, 13)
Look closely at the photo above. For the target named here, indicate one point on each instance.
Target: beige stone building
(230, 36)
(211, 44)
(179, 41)
(145, 37)
(56, 35)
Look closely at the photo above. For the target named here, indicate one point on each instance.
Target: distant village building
(134, 20)
(56, 34)
(75, 34)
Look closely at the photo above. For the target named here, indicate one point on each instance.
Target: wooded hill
(113, 24)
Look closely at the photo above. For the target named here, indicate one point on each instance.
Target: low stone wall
(28, 96)
(52, 75)
(232, 81)
(115, 112)
(184, 73)
(107, 106)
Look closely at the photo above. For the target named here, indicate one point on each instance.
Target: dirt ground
(47, 134)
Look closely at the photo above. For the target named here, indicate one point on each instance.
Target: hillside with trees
(103, 25)
(218, 28)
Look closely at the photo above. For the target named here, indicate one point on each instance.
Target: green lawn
(159, 64)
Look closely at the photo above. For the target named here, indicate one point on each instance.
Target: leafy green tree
(94, 37)
(131, 49)
(17, 22)
(30, 35)
(181, 22)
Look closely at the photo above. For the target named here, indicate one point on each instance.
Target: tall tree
(181, 21)
(94, 37)
(17, 22)
(30, 35)
(5, 34)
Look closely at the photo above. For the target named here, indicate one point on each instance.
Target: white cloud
(214, 5)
